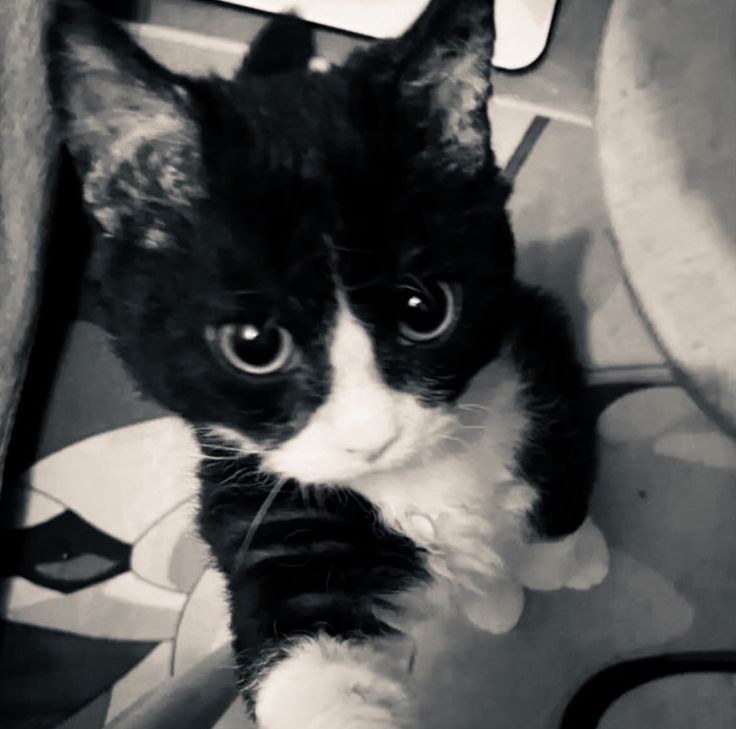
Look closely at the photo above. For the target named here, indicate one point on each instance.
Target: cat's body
(316, 270)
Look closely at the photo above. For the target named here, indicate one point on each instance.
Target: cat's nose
(374, 447)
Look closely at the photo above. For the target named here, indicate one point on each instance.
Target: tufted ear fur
(126, 120)
(445, 79)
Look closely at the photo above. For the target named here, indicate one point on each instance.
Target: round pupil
(424, 310)
(257, 346)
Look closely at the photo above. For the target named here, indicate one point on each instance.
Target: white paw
(591, 557)
(498, 610)
(579, 561)
(327, 684)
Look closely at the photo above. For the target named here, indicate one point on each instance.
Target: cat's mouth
(319, 462)
(328, 461)
(356, 444)
(332, 466)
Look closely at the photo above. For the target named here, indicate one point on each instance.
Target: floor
(96, 619)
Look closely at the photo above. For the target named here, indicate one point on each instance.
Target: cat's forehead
(301, 117)
(286, 158)
(302, 190)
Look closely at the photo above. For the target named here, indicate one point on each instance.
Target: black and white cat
(316, 270)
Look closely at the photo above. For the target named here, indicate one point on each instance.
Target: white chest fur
(462, 504)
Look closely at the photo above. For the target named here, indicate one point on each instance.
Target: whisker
(261, 514)
(235, 476)
(363, 284)
(346, 249)
(454, 439)
(470, 406)
(227, 448)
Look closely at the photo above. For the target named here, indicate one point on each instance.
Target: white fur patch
(469, 473)
(464, 506)
(442, 476)
(235, 440)
(318, 64)
(579, 561)
(156, 239)
(364, 426)
(328, 684)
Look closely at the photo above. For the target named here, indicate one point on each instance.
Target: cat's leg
(557, 458)
(579, 561)
(310, 590)
(327, 683)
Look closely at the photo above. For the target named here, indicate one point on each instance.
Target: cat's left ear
(284, 44)
(127, 120)
(444, 63)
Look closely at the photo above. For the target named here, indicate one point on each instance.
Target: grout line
(528, 140)
(514, 102)
(651, 374)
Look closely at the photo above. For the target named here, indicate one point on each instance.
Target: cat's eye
(256, 350)
(425, 310)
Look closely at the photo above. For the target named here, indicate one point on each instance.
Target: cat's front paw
(579, 561)
(498, 610)
(591, 558)
(329, 684)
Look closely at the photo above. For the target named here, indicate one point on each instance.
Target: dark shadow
(598, 694)
(542, 263)
(64, 259)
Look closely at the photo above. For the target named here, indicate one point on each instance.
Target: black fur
(304, 176)
(558, 455)
(295, 180)
(320, 562)
(285, 44)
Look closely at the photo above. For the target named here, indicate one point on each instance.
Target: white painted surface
(523, 25)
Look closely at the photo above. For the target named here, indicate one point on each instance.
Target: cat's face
(314, 265)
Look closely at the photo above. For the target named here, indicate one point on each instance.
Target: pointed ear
(284, 44)
(126, 120)
(445, 78)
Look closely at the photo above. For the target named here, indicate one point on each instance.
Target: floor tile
(92, 716)
(171, 554)
(561, 225)
(49, 676)
(110, 479)
(204, 622)
(144, 677)
(123, 608)
(680, 702)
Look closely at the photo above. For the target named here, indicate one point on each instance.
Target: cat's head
(316, 264)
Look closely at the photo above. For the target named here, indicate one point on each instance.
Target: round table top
(666, 119)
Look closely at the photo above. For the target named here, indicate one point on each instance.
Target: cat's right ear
(442, 66)
(120, 109)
